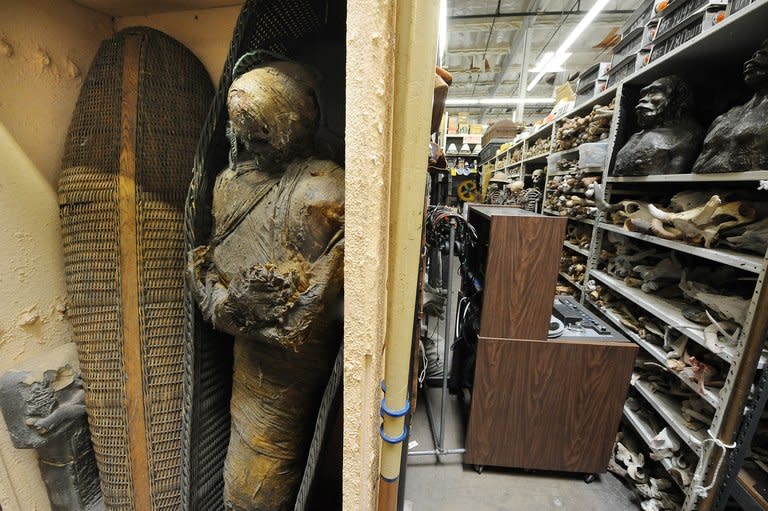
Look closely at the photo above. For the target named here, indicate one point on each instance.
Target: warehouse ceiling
(486, 43)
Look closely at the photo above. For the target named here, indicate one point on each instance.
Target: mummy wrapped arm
(265, 301)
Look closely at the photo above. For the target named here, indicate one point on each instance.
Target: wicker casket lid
(126, 168)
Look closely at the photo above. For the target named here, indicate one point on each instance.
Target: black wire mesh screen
(289, 28)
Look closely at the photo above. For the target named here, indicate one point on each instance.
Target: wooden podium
(538, 403)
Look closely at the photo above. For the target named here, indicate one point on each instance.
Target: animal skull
(621, 265)
(668, 269)
(635, 462)
(704, 222)
(751, 237)
(727, 306)
(665, 440)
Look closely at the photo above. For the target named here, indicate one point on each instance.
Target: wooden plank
(129, 276)
(520, 275)
(388, 494)
(748, 482)
(548, 405)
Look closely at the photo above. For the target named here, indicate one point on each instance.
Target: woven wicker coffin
(295, 29)
(126, 170)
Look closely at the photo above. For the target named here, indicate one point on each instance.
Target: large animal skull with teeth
(705, 221)
(693, 216)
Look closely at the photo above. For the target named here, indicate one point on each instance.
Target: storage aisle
(451, 486)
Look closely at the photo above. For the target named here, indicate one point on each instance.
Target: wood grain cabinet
(520, 255)
(537, 403)
(547, 404)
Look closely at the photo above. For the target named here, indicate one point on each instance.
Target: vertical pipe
(447, 338)
(415, 47)
(524, 74)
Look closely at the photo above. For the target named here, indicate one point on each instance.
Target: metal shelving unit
(669, 410)
(732, 40)
(729, 40)
(710, 396)
(646, 433)
(670, 312)
(747, 262)
(571, 281)
(735, 38)
(579, 250)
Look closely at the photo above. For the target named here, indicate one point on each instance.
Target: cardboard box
(453, 124)
(476, 129)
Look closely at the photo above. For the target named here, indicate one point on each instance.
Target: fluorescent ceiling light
(551, 63)
(577, 31)
(498, 101)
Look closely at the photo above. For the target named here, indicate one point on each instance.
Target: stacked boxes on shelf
(735, 6)
(633, 51)
(592, 81)
(463, 123)
(683, 20)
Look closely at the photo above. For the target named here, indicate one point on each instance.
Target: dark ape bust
(738, 139)
(669, 139)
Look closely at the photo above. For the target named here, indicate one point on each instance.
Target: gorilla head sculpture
(670, 137)
(665, 101)
(738, 139)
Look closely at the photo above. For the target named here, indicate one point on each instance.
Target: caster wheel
(479, 469)
(588, 478)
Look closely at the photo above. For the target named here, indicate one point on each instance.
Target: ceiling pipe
(507, 60)
(524, 14)
(488, 41)
(520, 113)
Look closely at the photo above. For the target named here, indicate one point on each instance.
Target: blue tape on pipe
(394, 413)
(393, 440)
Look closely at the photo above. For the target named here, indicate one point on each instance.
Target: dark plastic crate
(680, 11)
(691, 28)
(629, 45)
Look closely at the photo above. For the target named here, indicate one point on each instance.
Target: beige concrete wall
(207, 33)
(370, 60)
(46, 48)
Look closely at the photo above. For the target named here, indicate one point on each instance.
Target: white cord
(425, 363)
(698, 489)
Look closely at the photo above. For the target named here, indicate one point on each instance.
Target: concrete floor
(448, 485)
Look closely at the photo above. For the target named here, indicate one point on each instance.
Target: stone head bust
(738, 140)
(665, 101)
(669, 138)
(756, 69)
